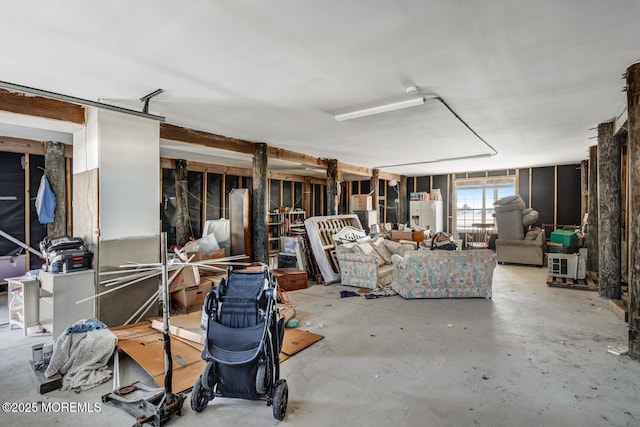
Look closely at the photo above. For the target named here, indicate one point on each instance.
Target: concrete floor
(532, 356)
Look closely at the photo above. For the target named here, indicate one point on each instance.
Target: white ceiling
(530, 77)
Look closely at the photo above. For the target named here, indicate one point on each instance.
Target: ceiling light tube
(381, 109)
(447, 159)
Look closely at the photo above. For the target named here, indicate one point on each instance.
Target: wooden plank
(44, 384)
(569, 283)
(41, 107)
(295, 157)
(212, 140)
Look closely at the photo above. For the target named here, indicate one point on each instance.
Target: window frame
(489, 183)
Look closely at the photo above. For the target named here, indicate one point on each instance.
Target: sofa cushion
(507, 200)
(346, 248)
(530, 218)
(382, 250)
(533, 234)
(516, 206)
(394, 247)
(510, 225)
(366, 248)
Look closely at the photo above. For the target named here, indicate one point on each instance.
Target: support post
(633, 107)
(182, 203)
(306, 195)
(609, 212)
(259, 207)
(584, 185)
(592, 222)
(375, 185)
(54, 165)
(402, 200)
(332, 187)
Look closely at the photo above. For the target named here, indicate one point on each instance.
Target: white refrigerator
(427, 214)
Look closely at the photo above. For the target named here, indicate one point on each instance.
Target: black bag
(443, 241)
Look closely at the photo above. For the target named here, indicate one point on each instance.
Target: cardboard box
(290, 279)
(401, 235)
(416, 236)
(189, 276)
(191, 298)
(361, 202)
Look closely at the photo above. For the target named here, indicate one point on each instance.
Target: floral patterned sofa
(444, 274)
(368, 264)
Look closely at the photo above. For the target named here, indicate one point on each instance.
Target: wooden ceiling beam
(295, 157)
(66, 111)
(28, 146)
(389, 176)
(167, 163)
(41, 107)
(212, 140)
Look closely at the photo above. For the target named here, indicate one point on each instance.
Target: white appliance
(426, 213)
(571, 266)
(367, 219)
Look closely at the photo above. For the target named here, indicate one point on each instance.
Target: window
(474, 199)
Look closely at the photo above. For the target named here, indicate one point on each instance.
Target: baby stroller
(243, 342)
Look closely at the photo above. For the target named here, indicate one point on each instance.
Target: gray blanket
(81, 358)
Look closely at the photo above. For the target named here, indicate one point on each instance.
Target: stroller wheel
(200, 396)
(209, 379)
(280, 399)
(263, 377)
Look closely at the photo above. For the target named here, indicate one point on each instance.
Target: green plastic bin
(566, 237)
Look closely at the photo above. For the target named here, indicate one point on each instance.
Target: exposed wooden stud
(375, 184)
(68, 201)
(27, 207)
(402, 200)
(584, 193)
(306, 195)
(54, 165)
(633, 151)
(182, 198)
(530, 174)
(592, 230)
(223, 197)
(203, 210)
(259, 204)
(609, 199)
(161, 195)
(41, 107)
(332, 187)
(555, 194)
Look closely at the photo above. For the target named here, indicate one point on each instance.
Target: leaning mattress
(320, 230)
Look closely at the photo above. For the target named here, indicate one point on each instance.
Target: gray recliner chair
(516, 244)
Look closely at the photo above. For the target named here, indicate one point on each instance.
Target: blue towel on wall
(45, 202)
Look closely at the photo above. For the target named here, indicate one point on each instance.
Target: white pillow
(382, 250)
(367, 249)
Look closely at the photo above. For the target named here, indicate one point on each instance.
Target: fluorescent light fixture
(447, 159)
(381, 109)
